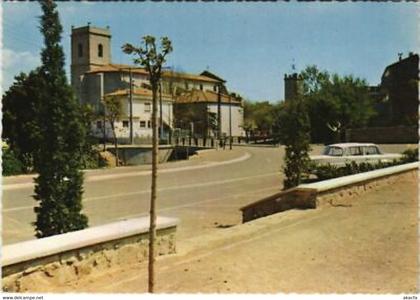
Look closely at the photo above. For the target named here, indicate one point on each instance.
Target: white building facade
(94, 77)
(141, 117)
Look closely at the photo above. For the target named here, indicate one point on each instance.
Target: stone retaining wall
(345, 195)
(340, 191)
(34, 265)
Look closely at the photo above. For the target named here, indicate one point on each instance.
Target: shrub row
(324, 172)
(11, 165)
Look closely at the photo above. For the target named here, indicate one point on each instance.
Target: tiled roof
(211, 75)
(138, 70)
(196, 96)
(175, 75)
(118, 68)
(137, 92)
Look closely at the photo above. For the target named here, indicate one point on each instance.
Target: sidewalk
(204, 158)
(370, 247)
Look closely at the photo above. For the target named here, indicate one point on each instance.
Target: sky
(250, 45)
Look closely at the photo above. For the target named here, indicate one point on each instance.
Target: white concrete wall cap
(44, 247)
(331, 184)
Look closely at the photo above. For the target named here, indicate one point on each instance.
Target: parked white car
(341, 154)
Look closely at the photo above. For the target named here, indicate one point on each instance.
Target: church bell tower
(90, 49)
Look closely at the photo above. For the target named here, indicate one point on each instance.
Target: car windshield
(333, 151)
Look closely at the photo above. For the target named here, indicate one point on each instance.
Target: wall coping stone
(330, 184)
(32, 249)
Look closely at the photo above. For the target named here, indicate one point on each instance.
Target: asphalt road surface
(205, 193)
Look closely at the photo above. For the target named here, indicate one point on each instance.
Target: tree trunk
(152, 229)
(115, 144)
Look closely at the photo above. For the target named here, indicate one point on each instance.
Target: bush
(93, 160)
(410, 155)
(328, 171)
(91, 155)
(10, 164)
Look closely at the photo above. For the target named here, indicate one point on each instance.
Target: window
(201, 87)
(80, 50)
(98, 124)
(371, 150)
(100, 50)
(147, 107)
(149, 124)
(355, 151)
(125, 124)
(333, 151)
(215, 88)
(142, 124)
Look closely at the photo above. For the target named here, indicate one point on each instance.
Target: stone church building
(94, 76)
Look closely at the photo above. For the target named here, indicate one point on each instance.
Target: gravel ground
(370, 247)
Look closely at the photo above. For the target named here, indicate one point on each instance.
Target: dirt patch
(370, 247)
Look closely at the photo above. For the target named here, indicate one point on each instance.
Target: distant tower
(292, 86)
(90, 48)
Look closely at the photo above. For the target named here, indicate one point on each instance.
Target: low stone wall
(37, 264)
(132, 155)
(290, 199)
(340, 191)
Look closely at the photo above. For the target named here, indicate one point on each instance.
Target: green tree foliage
(204, 120)
(113, 112)
(11, 165)
(91, 153)
(295, 128)
(335, 103)
(260, 117)
(20, 118)
(58, 187)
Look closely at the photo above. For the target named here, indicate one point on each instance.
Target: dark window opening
(80, 50)
(99, 124)
(100, 50)
(143, 124)
(201, 87)
(149, 124)
(125, 123)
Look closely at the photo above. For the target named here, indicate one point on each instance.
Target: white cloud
(14, 62)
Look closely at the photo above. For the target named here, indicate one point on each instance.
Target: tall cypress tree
(59, 184)
(295, 133)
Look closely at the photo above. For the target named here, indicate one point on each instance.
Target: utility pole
(131, 105)
(103, 106)
(160, 110)
(219, 112)
(230, 122)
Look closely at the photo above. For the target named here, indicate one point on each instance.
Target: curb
(246, 156)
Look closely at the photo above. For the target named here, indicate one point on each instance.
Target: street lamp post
(230, 122)
(219, 113)
(160, 110)
(131, 105)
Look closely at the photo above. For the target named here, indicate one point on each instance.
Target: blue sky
(251, 45)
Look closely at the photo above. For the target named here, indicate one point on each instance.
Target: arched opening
(100, 50)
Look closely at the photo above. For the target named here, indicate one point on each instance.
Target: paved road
(370, 246)
(205, 192)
